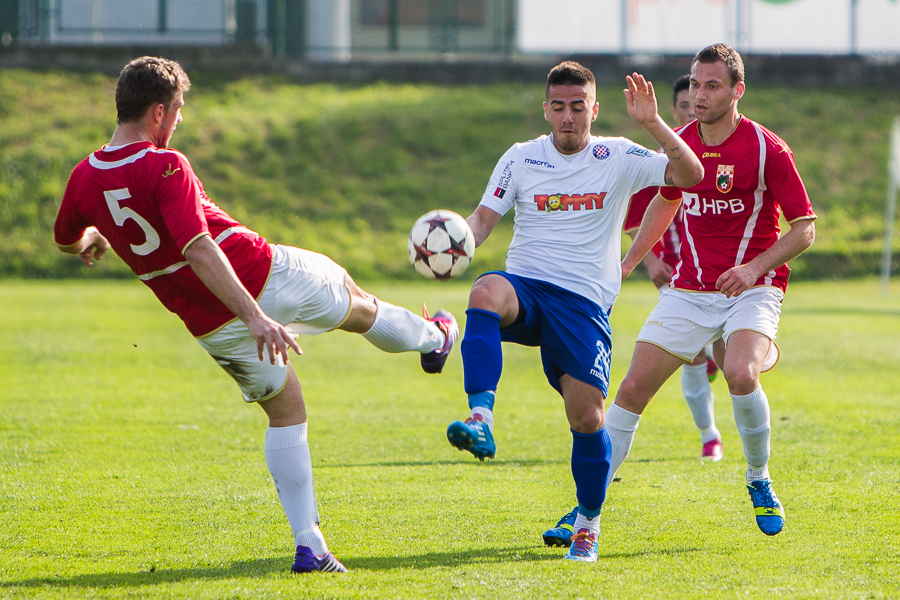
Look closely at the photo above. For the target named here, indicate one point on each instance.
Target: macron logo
(538, 163)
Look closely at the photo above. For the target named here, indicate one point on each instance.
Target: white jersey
(570, 210)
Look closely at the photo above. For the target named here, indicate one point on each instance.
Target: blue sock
(481, 351)
(484, 399)
(590, 467)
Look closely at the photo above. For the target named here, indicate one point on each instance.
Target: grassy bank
(345, 170)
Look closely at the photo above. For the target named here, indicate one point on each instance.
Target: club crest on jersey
(724, 178)
(601, 152)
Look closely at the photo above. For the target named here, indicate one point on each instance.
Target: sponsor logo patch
(553, 202)
(499, 192)
(539, 163)
(638, 151)
(724, 178)
(710, 155)
(170, 171)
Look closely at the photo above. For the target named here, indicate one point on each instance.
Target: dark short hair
(570, 73)
(726, 54)
(145, 82)
(681, 84)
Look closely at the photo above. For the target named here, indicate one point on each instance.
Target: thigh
(683, 323)
(499, 293)
(234, 349)
(746, 355)
(651, 366)
(363, 309)
(576, 340)
(286, 408)
(755, 311)
(307, 290)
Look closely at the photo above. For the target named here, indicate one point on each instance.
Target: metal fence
(328, 29)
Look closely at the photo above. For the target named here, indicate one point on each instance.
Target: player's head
(682, 107)
(727, 55)
(717, 83)
(152, 85)
(570, 105)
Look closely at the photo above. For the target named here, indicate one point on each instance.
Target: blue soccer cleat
(769, 511)
(561, 535)
(584, 547)
(474, 436)
(305, 561)
(433, 362)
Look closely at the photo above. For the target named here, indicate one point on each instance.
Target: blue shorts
(572, 331)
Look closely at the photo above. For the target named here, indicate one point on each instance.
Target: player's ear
(739, 90)
(546, 114)
(595, 110)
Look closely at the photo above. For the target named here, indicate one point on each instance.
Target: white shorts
(307, 292)
(683, 323)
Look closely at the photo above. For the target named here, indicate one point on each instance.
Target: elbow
(696, 175)
(810, 234)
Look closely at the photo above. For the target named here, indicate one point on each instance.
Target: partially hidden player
(570, 191)
(661, 262)
(234, 291)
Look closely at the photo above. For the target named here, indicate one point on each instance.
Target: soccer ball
(441, 245)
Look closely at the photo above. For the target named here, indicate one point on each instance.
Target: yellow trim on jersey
(803, 218)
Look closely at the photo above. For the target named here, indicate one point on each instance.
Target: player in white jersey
(570, 191)
(732, 275)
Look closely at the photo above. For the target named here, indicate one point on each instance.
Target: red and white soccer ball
(441, 245)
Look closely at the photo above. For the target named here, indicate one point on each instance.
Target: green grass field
(130, 467)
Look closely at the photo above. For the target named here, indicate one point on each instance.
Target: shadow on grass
(266, 566)
(462, 462)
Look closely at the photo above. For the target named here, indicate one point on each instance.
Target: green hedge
(345, 170)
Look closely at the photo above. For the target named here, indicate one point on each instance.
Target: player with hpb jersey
(234, 291)
(661, 263)
(732, 275)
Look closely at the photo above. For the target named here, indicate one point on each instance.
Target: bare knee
(496, 294)
(632, 396)
(742, 380)
(286, 408)
(363, 309)
(586, 420)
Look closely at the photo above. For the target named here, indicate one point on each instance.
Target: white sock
(699, 396)
(287, 456)
(487, 416)
(620, 426)
(751, 415)
(399, 330)
(582, 522)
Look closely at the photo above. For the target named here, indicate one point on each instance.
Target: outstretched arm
(215, 271)
(482, 222)
(684, 169)
(657, 218)
(736, 280)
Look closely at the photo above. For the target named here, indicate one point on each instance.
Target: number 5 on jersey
(121, 214)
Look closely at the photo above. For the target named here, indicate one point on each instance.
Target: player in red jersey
(661, 262)
(732, 275)
(243, 299)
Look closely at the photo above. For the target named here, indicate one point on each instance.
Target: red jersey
(669, 245)
(150, 205)
(731, 216)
